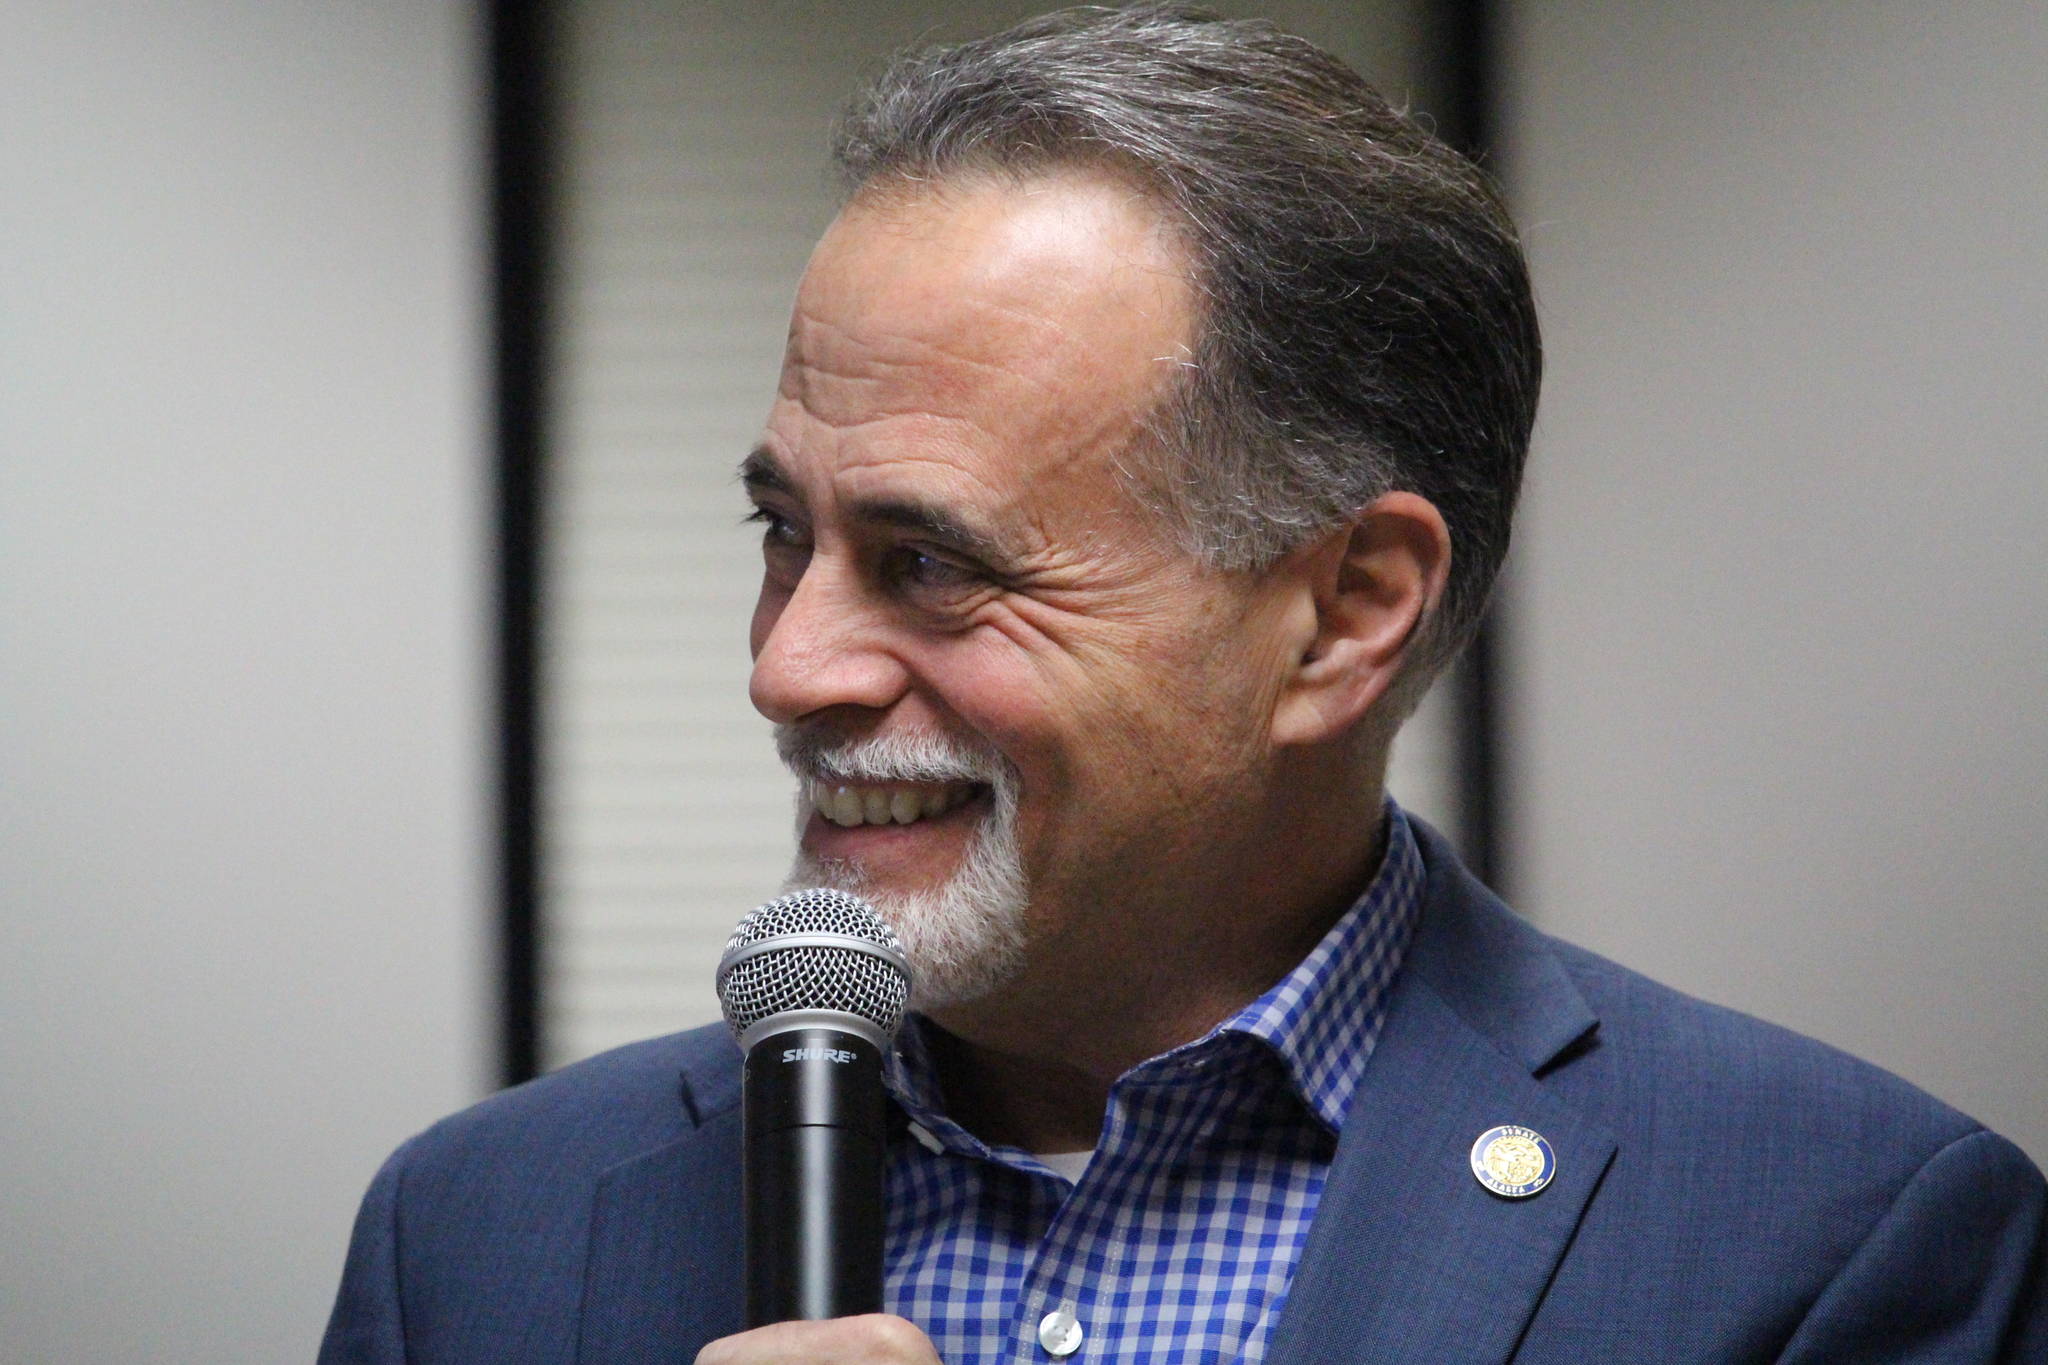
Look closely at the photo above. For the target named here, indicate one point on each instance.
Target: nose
(824, 644)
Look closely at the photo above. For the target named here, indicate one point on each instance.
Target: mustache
(918, 756)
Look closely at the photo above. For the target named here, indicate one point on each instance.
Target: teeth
(846, 805)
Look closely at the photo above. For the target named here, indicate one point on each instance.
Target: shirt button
(1059, 1332)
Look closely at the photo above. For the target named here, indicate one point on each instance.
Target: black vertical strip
(1481, 797)
(1466, 53)
(519, 160)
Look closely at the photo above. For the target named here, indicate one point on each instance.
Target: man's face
(961, 596)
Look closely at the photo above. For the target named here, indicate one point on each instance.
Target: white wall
(242, 827)
(1783, 605)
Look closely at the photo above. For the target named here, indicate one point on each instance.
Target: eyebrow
(762, 472)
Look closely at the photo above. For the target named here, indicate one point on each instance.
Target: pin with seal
(1512, 1161)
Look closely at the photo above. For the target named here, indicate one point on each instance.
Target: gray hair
(1367, 322)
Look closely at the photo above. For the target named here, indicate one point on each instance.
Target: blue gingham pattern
(1180, 1240)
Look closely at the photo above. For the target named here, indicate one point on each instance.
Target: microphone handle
(811, 1179)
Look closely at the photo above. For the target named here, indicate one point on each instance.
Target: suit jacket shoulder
(593, 1113)
(1809, 1193)
(1725, 1190)
(555, 1220)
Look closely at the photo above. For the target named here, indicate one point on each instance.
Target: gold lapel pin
(1512, 1161)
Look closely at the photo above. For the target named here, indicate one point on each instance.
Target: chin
(963, 928)
(964, 938)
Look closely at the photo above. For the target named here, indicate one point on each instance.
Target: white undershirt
(1067, 1165)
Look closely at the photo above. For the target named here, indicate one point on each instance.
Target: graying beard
(966, 938)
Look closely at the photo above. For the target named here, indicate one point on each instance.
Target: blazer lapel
(665, 1270)
(1410, 1258)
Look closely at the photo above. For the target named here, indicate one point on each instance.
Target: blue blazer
(1725, 1191)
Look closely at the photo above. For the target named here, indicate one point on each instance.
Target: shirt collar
(1321, 1020)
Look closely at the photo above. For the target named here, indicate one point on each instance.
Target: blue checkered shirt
(1180, 1240)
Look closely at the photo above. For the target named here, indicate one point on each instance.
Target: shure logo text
(818, 1054)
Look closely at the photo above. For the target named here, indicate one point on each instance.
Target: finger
(872, 1339)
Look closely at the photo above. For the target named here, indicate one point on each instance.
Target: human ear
(1372, 581)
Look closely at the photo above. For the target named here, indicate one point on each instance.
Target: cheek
(1104, 714)
(994, 689)
(1030, 702)
(1189, 723)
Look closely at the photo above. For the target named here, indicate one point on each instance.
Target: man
(1147, 439)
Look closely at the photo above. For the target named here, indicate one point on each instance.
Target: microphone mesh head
(810, 976)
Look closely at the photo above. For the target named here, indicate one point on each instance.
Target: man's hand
(872, 1339)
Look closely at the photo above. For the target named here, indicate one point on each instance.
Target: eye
(785, 547)
(776, 528)
(930, 576)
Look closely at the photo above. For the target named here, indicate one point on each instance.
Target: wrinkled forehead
(1043, 301)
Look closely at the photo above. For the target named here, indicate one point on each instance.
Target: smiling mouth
(848, 804)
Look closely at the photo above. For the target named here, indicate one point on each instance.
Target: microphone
(813, 985)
